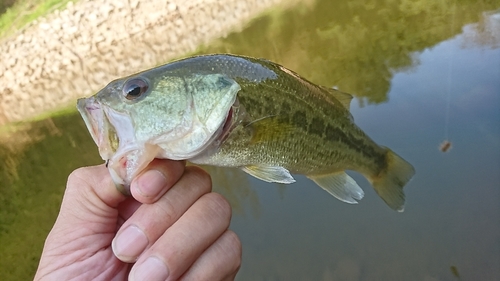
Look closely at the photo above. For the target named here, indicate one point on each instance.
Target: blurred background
(423, 74)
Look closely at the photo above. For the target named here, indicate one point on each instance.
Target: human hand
(171, 228)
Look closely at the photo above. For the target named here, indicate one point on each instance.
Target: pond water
(422, 72)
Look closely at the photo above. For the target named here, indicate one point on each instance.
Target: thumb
(90, 197)
(93, 183)
(87, 221)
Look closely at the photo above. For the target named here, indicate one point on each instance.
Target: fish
(236, 111)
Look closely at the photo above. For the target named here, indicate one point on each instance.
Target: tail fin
(390, 182)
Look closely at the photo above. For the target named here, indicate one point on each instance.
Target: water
(421, 72)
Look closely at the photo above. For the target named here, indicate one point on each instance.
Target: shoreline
(74, 52)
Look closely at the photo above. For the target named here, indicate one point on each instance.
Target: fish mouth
(102, 131)
(116, 147)
(114, 134)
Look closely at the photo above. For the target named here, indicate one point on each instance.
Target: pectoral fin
(340, 185)
(270, 173)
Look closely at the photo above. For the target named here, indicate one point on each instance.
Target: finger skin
(154, 219)
(91, 212)
(161, 175)
(96, 183)
(86, 224)
(221, 261)
(181, 244)
(185, 224)
(156, 179)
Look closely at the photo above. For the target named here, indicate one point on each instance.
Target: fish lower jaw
(117, 179)
(124, 166)
(120, 169)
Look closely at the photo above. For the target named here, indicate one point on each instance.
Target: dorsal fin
(343, 98)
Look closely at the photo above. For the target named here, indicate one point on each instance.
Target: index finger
(156, 179)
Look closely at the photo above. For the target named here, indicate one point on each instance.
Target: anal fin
(269, 173)
(341, 186)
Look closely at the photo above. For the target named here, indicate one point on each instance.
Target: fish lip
(97, 123)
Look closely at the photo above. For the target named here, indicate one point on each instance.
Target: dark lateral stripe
(357, 144)
(317, 127)
(265, 104)
(299, 120)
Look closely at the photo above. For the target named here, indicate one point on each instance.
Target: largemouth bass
(235, 111)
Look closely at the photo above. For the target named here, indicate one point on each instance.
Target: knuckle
(79, 180)
(78, 175)
(169, 214)
(89, 175)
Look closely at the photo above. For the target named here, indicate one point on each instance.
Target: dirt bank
(74, 52)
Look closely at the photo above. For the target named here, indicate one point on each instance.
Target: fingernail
(151, 269)
(129, 244)
(150, 183)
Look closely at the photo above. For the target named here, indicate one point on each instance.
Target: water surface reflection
(433, 71)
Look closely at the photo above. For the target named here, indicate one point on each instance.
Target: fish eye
(135, 88)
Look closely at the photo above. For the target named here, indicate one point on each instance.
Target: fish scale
(266, 99)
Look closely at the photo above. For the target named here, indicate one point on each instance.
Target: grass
(16, 14)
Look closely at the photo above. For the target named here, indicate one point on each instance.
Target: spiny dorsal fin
(269, 173)
(341, 186)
